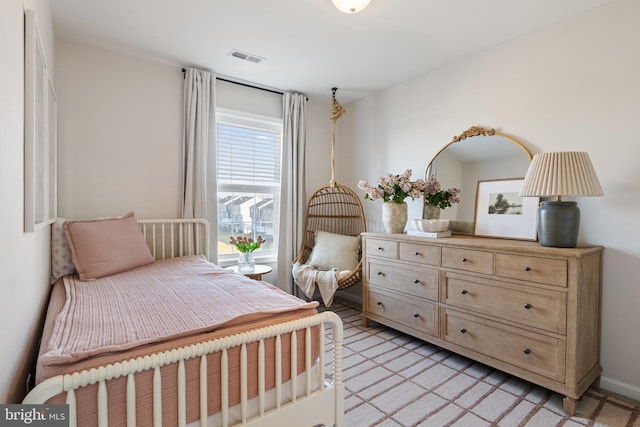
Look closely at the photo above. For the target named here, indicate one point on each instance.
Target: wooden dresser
(525, 309)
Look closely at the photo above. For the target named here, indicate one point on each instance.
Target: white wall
(24, 257)
(119, 134)
(120, 124)
(318, 162)
(573, 86)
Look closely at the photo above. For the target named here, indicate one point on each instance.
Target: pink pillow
(100, 247)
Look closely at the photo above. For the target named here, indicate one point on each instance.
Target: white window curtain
(293, 187)
(198, 136)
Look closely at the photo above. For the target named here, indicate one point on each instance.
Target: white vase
(246, 264)
(394, 216)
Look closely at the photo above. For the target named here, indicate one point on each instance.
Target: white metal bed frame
(170, 238)
(323, 406)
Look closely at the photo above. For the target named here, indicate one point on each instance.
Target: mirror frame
(475, 131)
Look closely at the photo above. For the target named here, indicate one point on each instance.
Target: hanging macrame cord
(336, 112)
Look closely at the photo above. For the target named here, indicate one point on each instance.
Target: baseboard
(349, 298)
(618, 387)
(344, 296)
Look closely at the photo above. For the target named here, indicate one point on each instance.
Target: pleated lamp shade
(568, 173)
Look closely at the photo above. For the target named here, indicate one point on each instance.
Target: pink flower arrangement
(434, 195)
(246, 244)
(394, 188)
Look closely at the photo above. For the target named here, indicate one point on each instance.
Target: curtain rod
(184, 70)
(251, 86)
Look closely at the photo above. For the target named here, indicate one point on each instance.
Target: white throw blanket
(307, 277)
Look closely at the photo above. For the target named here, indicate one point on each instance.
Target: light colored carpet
(392, 379)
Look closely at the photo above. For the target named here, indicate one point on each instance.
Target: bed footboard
(322, 405)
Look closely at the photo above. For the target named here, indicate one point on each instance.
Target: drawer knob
(527, 269)
(527, 306)
(464, 292)
(463, 330)
(526, 351)
(416, 281)
(380, 273)
(416, 315)
(418, 253)
(464, 260)
(380, 248)
(379, 303)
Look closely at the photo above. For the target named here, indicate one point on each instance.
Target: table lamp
(568, 173)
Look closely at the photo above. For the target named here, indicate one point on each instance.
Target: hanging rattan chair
(334, 209)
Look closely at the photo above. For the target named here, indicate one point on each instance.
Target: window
(248, 170)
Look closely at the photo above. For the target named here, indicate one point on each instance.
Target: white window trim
(234, 117)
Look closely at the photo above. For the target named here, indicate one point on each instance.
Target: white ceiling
(309, 45)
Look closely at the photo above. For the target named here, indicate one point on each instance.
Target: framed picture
(500, 212)
(40, 115)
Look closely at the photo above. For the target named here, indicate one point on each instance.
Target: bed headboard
(166, 238)
(170, 238)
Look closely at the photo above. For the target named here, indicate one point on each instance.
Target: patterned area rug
(392, 379)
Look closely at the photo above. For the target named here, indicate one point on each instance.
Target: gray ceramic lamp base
(558, 224)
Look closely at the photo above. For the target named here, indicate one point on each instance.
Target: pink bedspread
(169, 299)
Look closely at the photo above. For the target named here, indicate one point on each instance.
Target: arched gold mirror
(478, 154)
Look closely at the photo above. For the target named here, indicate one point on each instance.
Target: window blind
(248, 155)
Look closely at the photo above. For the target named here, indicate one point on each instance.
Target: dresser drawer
(415, 280)
(541, 270)
(537, 353)
(382, 248)
(468, 260)
(420, 253)
(538, 308)
(421, 316)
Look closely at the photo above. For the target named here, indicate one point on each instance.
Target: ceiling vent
(246, 56)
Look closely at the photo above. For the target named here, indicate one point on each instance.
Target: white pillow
(334, 251)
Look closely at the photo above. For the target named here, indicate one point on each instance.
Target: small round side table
(257, 272)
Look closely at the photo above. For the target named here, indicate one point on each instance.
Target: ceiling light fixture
(351, 6)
